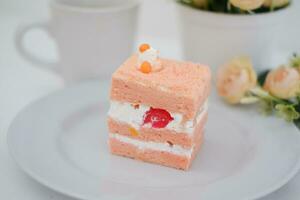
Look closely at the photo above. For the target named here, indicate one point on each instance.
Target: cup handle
(19, 37)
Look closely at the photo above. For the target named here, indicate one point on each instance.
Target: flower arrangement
(237, 6)
(277, 91)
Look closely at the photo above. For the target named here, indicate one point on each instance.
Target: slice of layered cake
(158, 109)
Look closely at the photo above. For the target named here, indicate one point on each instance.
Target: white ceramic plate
(60, 141)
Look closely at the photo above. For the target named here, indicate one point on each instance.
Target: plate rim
(69, 193)
(22, 167)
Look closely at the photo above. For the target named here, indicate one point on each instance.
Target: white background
(21, 83)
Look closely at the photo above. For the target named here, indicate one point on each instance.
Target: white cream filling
(126, 113)
(143, 145)
(150, 55)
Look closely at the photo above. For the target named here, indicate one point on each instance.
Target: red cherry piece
(159, 118)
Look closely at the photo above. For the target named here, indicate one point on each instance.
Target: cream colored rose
(235, 79)
(283, 82)
(247, 4)
(201, 3)
(276, 3)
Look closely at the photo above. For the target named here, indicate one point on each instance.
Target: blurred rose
(235, 79)
(275, 3)
(283, 82)
(247, 4)
(201, 3)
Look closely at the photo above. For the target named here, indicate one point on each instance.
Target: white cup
(93, 37)
(214, 38)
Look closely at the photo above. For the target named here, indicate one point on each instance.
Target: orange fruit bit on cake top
(144, 47)
(146, 67)
(133, 131)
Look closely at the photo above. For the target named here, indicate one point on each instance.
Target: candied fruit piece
(158, 118)
(144, 47)
(133, 131)
(146, 67)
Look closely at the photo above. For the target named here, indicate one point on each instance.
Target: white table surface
(21, 83)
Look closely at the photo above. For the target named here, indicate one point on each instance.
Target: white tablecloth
(21, 83)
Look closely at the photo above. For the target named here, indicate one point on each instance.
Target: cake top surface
(178, 77)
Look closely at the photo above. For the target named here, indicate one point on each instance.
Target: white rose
(283, 82)
(247, 4)
(235, 79)
(276, 3)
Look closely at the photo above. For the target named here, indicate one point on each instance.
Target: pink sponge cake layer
(158, 135)
(180, 87)
(169, 159)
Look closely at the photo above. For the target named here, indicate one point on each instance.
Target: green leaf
(187, 2)
(298, 102)
(295, 61)
(297, 123)
(218, 5)
(266, 106)
(287, 112)
(262, 77)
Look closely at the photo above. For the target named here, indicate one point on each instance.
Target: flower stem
(262, 94)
